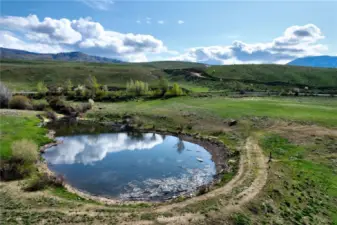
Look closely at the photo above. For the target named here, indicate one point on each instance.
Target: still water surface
(131, 166)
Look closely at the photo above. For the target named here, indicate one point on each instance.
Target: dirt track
(248, 182)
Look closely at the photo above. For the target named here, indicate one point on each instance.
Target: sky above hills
(217, 32)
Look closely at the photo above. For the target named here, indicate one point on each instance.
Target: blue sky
(219, 32)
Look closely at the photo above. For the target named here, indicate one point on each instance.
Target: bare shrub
(22, 161)
(5, 96)
(83, 107)
(20, 102)
(25, 151)
(91, 102)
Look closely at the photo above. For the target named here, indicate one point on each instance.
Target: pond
(131, 166)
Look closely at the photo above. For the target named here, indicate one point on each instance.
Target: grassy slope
(317, 110)
(19, 127)
(317, 77)
(24, 75)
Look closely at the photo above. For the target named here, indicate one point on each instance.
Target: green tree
(93, 85)
(176, 90)
(68, 85)
(163, 85)
(41, 87)
(137, 87)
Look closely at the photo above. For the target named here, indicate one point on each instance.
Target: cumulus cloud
(98, 4)
(81, 34)
(160, 22)
(49, 30)
(297, 41)
(10, 40)
(181, 21)
(89, 149)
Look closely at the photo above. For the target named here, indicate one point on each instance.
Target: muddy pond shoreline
(219, 152)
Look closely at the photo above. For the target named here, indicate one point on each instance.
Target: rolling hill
(316, 61)
(6, 53)
(24, 75)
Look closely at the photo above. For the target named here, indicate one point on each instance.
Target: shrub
(83, 107)
(68, 86)
(20, 102)
(22, 161)
(41, 87)
(58, 105)
(13, 170)
(241, 219)
(51, 115)
(91, 102)
(5, 96)
(24, 151)
(55, 103)
(105, 88)
(80, 91)
(175, 91)
(42, 180)
(40, 106)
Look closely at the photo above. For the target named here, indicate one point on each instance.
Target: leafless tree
(5, 95)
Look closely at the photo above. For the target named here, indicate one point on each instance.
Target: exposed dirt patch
(299, 134)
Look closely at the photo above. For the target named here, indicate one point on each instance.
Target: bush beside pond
(22, 161)
(20, 102)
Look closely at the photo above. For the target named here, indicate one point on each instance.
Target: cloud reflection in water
(87, 149)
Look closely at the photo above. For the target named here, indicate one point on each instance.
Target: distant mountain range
(6, 53)
(316, 61)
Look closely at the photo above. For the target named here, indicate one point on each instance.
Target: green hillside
(24, 75)
(277, 74)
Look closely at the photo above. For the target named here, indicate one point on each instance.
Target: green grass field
(313, 110)
(17, 127)
(303, 181)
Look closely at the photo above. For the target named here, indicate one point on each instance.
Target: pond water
(131, 166)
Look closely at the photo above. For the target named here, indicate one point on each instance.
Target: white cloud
(160, 22)
(9, 40)
(50, 30)
(98, 4)
(138, 21)
(181, 21)
(83, 34)
(148, 20)
(297, 41)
